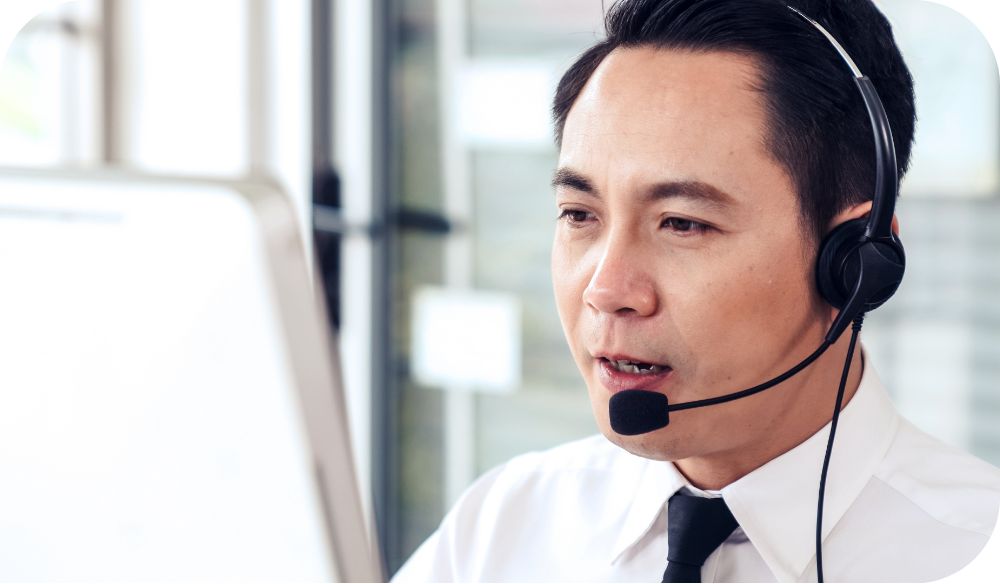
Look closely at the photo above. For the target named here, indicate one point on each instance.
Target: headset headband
(879, 224)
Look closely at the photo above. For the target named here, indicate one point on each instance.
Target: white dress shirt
(900, 506)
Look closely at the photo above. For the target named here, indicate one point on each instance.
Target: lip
(615, 381)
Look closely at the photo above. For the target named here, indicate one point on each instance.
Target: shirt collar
(775, 504)
(657, 482)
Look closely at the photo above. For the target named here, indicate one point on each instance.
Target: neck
(808, 410)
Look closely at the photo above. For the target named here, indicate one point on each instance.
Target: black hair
(818, 127)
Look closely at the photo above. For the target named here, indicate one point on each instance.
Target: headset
(860, 265)
(861, 262)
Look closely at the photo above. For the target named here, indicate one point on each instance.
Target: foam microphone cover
(636, 411)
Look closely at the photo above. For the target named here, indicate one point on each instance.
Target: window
(50, 105)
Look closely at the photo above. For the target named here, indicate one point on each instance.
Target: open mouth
(634, 367)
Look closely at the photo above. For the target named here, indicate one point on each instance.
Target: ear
(856, 212)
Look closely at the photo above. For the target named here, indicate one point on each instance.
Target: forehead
(680, 112)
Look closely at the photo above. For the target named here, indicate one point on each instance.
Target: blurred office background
(413, 138)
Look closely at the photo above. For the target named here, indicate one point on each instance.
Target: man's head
(818, 127)
(705, 147)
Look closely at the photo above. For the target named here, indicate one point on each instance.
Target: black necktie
(695, 527)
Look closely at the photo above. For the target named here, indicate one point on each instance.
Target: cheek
(560, 285)
(781, 283)
(735, 298)
(569, 279)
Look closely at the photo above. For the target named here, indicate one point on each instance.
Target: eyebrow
(692, 190)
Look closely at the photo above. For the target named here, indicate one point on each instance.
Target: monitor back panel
(152, 423)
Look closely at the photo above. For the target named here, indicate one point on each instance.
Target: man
(706, 148)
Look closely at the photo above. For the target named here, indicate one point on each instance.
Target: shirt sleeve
(452, 552)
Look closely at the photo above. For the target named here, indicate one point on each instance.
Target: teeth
(635, 368)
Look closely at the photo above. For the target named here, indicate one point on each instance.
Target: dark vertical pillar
(385, 386)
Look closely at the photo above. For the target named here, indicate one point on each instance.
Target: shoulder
(927, 511)
(953, 487)
(512, 516)
(591, 468)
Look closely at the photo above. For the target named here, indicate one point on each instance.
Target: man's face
(680, 245)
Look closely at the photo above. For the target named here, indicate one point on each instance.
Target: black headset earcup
(845, 256)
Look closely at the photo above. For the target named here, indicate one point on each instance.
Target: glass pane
(416, 470)
(49, 87)
(532, 28)
(186, 104)
(937, 342)
(957, 145)
(513, 225)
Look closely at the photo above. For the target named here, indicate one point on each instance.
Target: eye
(574, 217)
(684, 226)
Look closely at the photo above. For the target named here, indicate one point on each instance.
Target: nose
(622, 283)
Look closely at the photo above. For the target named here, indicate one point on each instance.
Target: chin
(667, 443)
(656, 445)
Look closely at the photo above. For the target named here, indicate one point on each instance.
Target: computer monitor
(170, 402)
